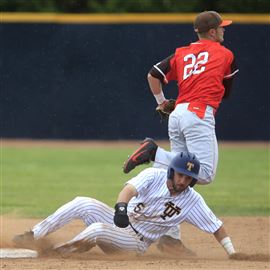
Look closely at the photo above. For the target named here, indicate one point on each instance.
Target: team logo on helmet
(190, 166)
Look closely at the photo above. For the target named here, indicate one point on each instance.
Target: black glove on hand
(120, 215)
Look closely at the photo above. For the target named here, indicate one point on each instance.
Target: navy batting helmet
(185, 163)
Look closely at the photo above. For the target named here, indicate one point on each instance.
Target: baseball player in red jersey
(203, 71)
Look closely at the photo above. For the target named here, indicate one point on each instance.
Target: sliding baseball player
(147, 207)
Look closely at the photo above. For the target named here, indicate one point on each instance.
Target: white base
(17, 253)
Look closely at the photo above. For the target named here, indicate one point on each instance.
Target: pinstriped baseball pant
(100, 228)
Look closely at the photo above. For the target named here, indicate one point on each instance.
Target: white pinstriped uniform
(98, 217)
(154, 194)
(147, 213)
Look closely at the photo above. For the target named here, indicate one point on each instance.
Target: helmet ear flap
(170, 173)
(193, 182)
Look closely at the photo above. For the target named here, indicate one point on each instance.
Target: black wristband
(121, 208)
(120, 218)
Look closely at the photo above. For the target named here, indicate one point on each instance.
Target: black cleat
(25, 240)
(172, 246)
(144, 154)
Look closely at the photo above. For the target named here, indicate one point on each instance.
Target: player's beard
(173, 188)
(177, 190)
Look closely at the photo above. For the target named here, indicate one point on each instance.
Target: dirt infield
(250, 235)
(18, 143)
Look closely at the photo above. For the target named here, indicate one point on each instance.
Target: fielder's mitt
(165, 109)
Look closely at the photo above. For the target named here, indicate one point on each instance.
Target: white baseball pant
(188, 132)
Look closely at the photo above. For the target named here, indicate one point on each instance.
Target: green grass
(241, 186)
(35, 181)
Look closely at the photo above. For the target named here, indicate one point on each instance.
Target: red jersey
(200, 70)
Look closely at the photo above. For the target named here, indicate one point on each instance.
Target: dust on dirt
(250, 235)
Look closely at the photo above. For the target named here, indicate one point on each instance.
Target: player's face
(180, 182)
(219, 34)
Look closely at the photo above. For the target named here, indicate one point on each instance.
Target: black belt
(141, 236)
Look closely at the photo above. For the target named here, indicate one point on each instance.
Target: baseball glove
(164, 110)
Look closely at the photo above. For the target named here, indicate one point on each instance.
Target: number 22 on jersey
(195, 65)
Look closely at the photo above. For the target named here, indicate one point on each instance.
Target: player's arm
(203, 218)
(135, 186)
(228, 79)
(127, 193)
(225, 241)
(157, 77)
(120, 216)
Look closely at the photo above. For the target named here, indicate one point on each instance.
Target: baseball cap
(207, 20)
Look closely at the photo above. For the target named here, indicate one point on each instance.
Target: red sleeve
(229, 75)
(171, 75)
(231, 68)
